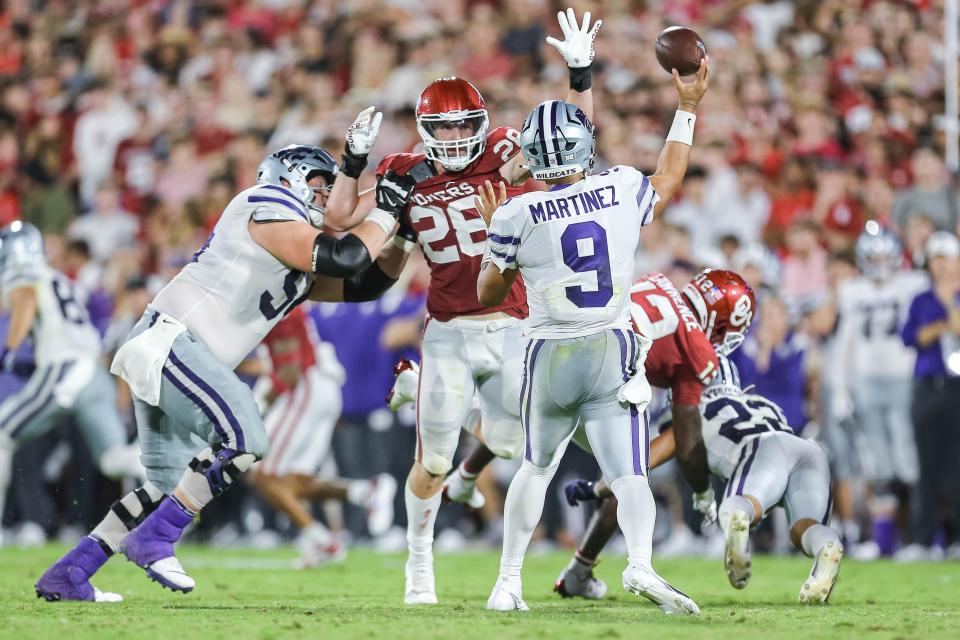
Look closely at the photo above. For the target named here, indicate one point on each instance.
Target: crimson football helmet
(452, 102)
(724, 304)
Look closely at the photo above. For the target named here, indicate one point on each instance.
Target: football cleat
(404, 391)
(579, 582)
(69, 577)
(823, 575)
(315, 554)
(421, 585)
(737, 560)
(169, 573)
(457, 488)
(507, 595)
(380, 504)
(644, 582)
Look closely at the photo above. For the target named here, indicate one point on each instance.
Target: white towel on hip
(140, 360)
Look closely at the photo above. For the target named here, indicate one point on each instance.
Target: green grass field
(251, 594)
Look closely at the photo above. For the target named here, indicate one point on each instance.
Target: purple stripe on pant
(197, 380)
(634, 414)
(528, 387)
(733, 476)
(746, 466)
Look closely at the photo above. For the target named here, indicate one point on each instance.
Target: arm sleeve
(503, 237)
(369, 284)
(270, 203)
(339, 257)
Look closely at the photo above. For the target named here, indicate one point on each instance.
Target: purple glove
(580, 491)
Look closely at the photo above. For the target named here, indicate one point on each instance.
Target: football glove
(393, 192)
(363, 132)
(705, 502)
(577, 45)
(580, 491)
(360, 138)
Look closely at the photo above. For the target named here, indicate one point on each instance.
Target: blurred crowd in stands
(127, 125)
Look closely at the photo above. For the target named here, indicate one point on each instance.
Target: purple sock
(885, 534)
(88, 556)
(172, 518)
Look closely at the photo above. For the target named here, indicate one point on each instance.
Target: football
(680, 48)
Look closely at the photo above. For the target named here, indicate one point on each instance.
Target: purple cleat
(69, 577)
(150, 546)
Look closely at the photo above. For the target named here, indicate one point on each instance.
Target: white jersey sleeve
(270, 203)
(503, 238)
(636, 183)
(234, 291)
(20, 273)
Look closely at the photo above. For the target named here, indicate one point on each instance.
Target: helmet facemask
(456, 154)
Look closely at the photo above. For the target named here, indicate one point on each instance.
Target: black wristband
(352, 165)
(581, 78)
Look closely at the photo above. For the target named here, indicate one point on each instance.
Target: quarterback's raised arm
(577, 50)
(343, 210)
(672, 164)
(302, 247)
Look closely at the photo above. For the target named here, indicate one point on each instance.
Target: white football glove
(363, 132)
(577, 45)
(705, 502)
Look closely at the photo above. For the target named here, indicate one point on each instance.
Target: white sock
(732, 505)
(521, 513)
(636, 514)
(112, 529)
(316, 532)
(358, 492)
(464, 474)
(421, 517)
(815, 537)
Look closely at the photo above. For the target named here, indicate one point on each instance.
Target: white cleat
(644, 582)
(579, 584)
(737, 560)
(404, 391)
(463, 490)
(171, 574)
(315, 554)
(507, 595)
(106, 596)
(380, 504)
(421, 585)
(823, 575)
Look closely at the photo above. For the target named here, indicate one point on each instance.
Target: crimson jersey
(681, 358)
(289, 342)
(451, 232)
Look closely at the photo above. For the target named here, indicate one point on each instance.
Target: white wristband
(682, 129)
(383, 220)
(405, 245)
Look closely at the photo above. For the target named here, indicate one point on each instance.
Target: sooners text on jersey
(451, 232)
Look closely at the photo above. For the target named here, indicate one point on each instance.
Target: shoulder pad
(270, 203)
(401, 163)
